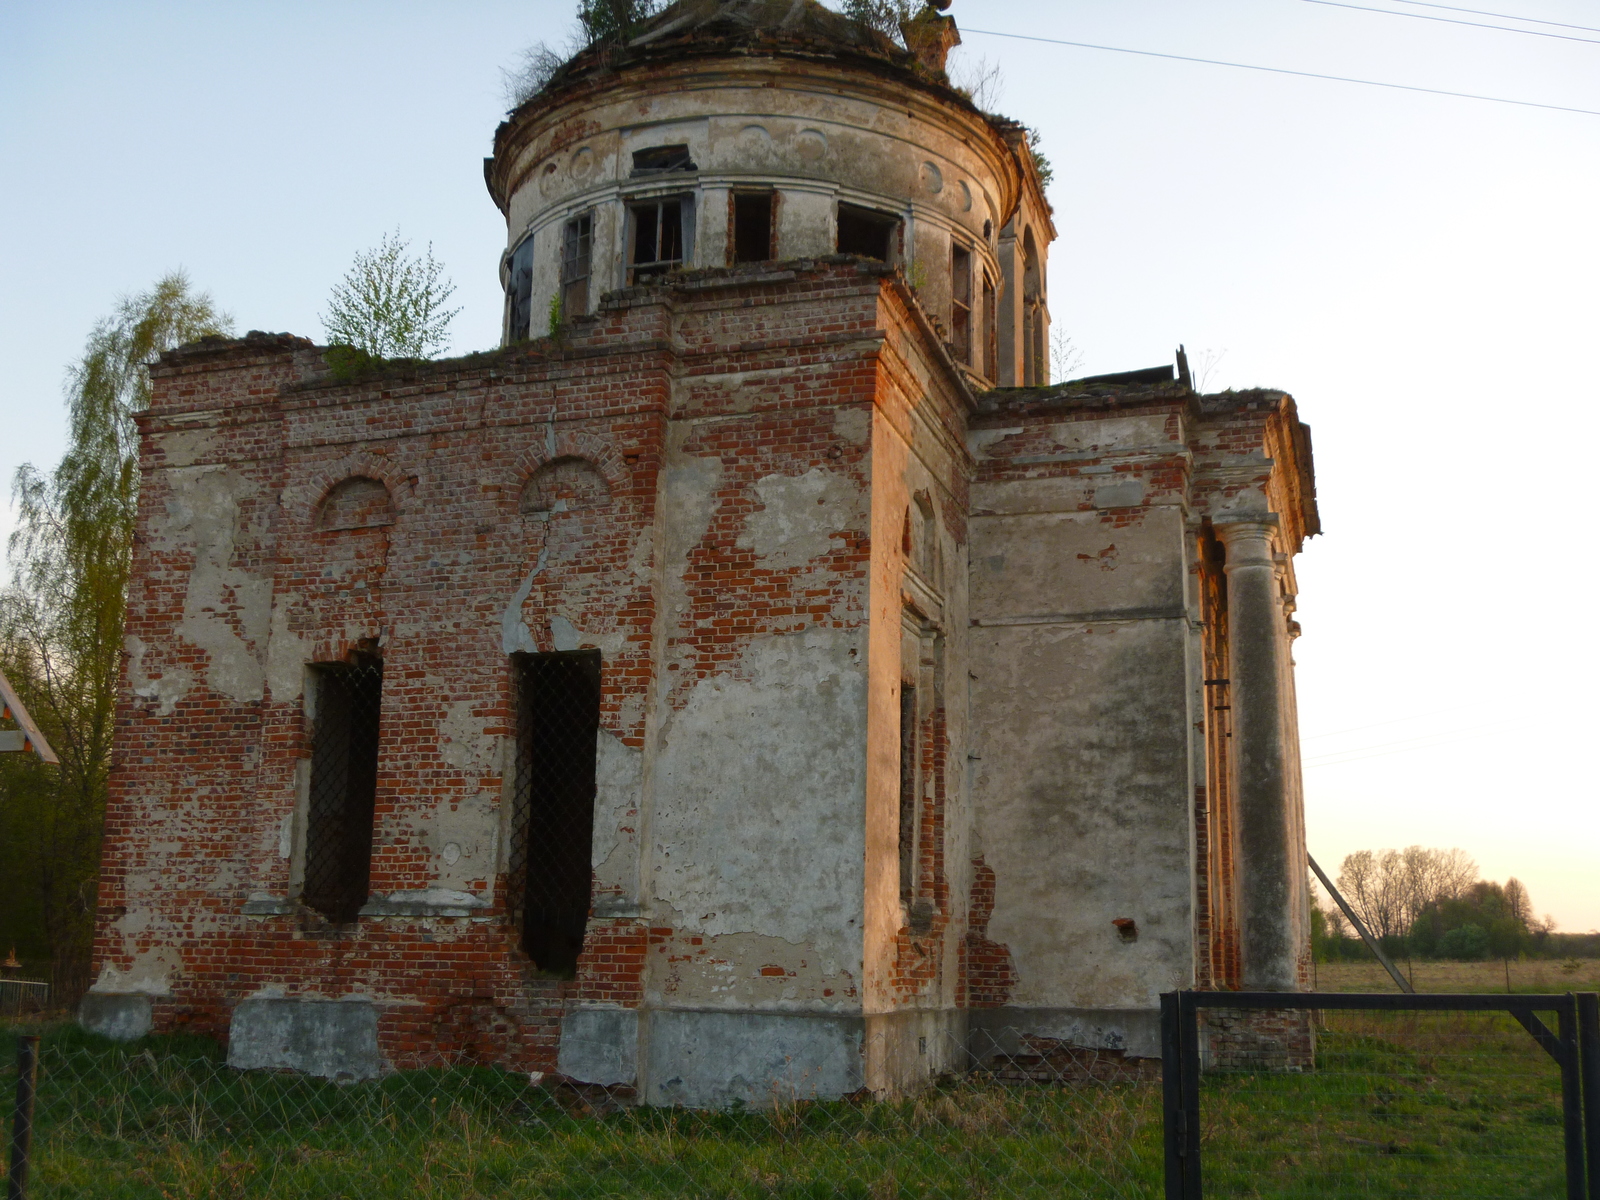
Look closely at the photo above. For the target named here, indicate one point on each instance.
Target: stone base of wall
(1253, 1039)
(1048, 1061)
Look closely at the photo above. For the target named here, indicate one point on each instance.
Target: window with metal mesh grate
(344, 780)
(552, 824)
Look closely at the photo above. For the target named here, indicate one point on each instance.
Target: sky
(1421, 272)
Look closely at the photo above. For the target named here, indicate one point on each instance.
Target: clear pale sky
(1422, 273)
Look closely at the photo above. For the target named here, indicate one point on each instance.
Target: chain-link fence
(1379, 1096)
(166, 1117)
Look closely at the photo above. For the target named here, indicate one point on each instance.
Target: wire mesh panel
(1405, 1096)
(344, 780)
(552, 828)
(165, 1117)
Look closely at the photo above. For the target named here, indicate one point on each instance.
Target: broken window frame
(662, 160)
(920, 818)
(671, 220)
(857, 230)
(550, 873)
(577, 264)
(961, 264)
(346, 705)
(745, 245)
(519, 292)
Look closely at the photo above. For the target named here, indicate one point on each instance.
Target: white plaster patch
(186, 447)
(151, 973)
(801, 514)
(462, 837)
(853, 424)
(221, 602)
(463, 743)
(286, 836)
(760, 797)
(287, 655)
(563, 633)
(172, 686)
(618, 773)
(515, 636)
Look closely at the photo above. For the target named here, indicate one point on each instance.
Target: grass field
(1459, 1105)
(1536, 976)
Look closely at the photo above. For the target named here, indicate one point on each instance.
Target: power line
(1214, 62)
(1478, 12)
(1389, 12)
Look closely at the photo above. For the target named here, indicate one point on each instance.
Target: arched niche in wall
(562, 485)
(359, 502)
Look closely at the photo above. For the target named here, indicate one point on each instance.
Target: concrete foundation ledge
(333, 1039)
(712, 1059)
(1135, 1032)
(121, 1016)
(600, 1046)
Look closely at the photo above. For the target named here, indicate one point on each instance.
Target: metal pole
(1571, 1098)
(1372, 942)
(1589, 1069)
(1172, 1122)
(22, 1120)
(1189, 1048)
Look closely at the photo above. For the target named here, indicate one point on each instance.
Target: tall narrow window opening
(991, 331)
(552, 835)
(658, 240)
(577, 243)
(344, 781)
(868, 233)
(519, 293)
(961, 302)
(909, 774)
(753, 227)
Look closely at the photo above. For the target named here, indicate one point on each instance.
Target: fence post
(1172, 1122)
(22, 1118)
(1189, 1050)
(1589, 1069)
(1571, 1097)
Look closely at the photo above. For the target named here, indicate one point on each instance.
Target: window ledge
(269, 906)
(435, 902)
(733, 281)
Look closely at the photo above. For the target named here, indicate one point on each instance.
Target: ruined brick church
(756, 674)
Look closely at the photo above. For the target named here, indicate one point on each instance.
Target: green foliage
(61, 624)
(883, 15)
(614, 20)
(1465, 943)
(555, 315)
(1047, 171)
(391, 305)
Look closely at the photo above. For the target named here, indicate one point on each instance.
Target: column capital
(1249, 540)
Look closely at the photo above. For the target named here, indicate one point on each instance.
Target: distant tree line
(1429, 903)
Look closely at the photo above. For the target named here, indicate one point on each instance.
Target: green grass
(1400, 1105)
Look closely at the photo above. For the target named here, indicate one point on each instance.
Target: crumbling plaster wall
(1082, 696)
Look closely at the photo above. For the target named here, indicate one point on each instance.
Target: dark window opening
(552, 834)
(576, 245)
(908, 793)
(657, 159)
(344, 783)
(752, 227)
(991, 331)
(961, 302)
(865, 232)
(519, 290)
(657, 240)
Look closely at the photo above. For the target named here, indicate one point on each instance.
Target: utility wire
(1389, 12)
(1478, 12)
(1215, 62)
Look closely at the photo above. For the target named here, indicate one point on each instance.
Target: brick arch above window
(358, 502)
(602, 458)
(564, 485)
(305, 502)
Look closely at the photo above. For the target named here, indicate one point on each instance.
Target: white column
(1267, 868)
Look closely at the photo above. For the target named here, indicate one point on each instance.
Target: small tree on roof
(390, 305)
